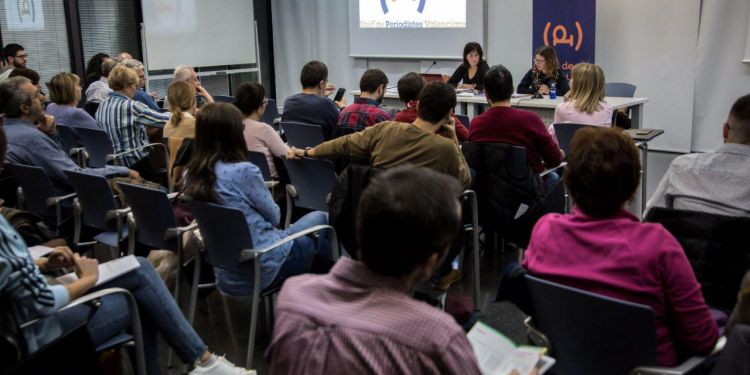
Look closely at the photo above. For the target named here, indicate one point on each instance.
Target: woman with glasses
(546, 70)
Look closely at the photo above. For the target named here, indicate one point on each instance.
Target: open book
(107, 271)
(499, 355)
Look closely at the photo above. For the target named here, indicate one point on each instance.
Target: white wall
(721, 76)
(653, 44)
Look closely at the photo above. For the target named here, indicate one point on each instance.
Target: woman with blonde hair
(543, 74)
(65, 93)
(181, 124)
(585, 104)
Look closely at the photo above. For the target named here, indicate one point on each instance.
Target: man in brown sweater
(429, 142)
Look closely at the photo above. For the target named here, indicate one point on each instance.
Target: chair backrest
(565, 133)
(260, 161)
(68, 137)
(313, 179)
(37, 187)
(620, 89)
(153, 215)
(716, 246)
(464, 120)
(302, 135)
(591, 333)
(91, 108)
(95, 197)
(225, 234)
(271, 114)
(97, 145)
(224, 99)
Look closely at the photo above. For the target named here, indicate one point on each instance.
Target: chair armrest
(54, 201)
(271, 184)
(83, 299)
(291, 190)
(114, 156)
(535, 334)
(249, 254)
(174, 232)
(687, 366)
(172, 196)
(547, 171)
(113, 214)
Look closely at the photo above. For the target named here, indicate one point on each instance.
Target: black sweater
(527, 83)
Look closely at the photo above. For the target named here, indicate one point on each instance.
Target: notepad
(107, 271)
(39, 251)
(498, 355)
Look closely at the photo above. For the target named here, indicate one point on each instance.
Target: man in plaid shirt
(366, 109)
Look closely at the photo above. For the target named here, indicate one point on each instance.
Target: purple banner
(569, 26)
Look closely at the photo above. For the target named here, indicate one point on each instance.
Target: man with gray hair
(140, 94)
(187, 74)
(33, 139)
(98, 91)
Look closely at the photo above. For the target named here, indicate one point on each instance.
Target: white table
(545, 108)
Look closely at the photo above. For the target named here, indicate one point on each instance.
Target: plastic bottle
(552, 91)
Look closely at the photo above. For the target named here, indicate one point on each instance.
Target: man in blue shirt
(312, 105)
(33, 139)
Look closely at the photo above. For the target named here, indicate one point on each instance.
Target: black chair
(593, 334)
(302, 135)
(91, 108)
(36, 195)
(271, 114)
(228, 245)
(465, 120)
(68, 137)
(224, 99)
(259, 159)
(66, 350)
(311, 184)
(95, 208)
(619, 89)
(565, 132)
(100, 151)
(471, 220)
(716, 246)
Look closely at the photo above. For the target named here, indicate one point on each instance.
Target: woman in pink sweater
(604, 249)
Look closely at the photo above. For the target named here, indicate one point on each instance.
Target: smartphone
(642, 132)
(339, 95)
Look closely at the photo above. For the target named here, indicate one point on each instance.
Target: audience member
(251, 100)
(585, 104)
(712, 182)
(188, 74)
(366, 109)
(14, 56)
(94, 69)
(181, 124)
(312, 105)
(360, 317)
(409, 87)
(32, 136)
(30, 296)
(98, 90)
(140, 94)
(125, 121)
(504, 124)
(394, 143)
(31, 75)
(122, 56)
(219, 173)
(604, 249)
(65, 92)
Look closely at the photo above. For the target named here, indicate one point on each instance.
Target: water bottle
(552, 91)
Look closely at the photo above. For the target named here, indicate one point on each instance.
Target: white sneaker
(222, 366)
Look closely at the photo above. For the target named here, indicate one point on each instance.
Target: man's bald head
(737, 127)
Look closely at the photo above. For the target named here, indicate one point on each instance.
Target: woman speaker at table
(471, 72)
(546, 70)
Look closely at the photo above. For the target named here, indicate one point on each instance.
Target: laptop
(432, 77)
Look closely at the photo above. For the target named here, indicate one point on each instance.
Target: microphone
(434, 62)
(535, 83)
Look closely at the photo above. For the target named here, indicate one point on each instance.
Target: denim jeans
(550, 180)
(304, 249)
(158, 313)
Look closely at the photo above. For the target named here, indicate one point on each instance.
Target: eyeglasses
(540, 61)
(23, 56)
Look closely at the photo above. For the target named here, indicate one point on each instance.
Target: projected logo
(412, 14)
(384, 5)
(568, 27)
(24, 15)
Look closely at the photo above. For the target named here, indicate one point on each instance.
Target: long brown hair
(218, 137)
(550, 59)
(181, 97)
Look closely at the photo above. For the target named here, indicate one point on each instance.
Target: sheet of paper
(519, 95)
(39, 251)
(521, 210)
(107, 271)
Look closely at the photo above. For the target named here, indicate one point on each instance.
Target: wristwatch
(305, 153)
